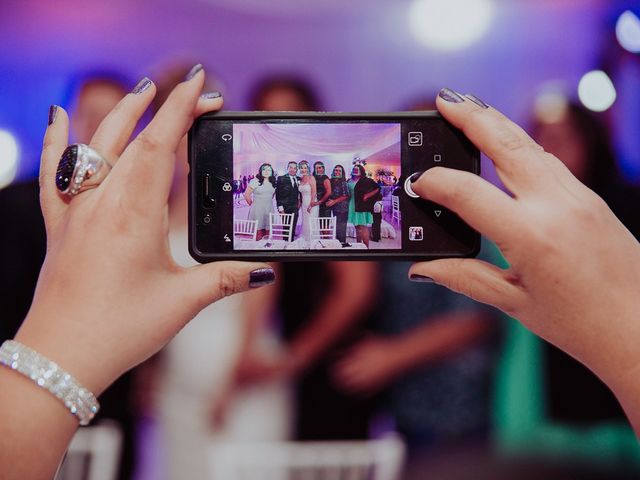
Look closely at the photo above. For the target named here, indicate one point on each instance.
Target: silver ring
(80, 169)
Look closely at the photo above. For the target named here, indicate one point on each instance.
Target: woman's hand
(330, 203)
(574, 275)
(109, 294)
(251, 368)
(368, 367)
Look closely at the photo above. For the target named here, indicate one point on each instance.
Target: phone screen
(305, 186)
(320, 185)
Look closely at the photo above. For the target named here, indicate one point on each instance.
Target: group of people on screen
(308, 194)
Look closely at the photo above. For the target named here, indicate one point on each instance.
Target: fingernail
(414, 178)
(142, 86)
(415, 277)
(211, 95)
(261, 277)
(53, 113)
(476, 100)
(193, 72)
(450, 95)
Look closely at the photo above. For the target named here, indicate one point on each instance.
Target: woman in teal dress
(363, 192)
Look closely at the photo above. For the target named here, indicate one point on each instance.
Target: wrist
(71, 351)
(48, 375)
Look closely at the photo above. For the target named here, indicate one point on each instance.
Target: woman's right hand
(109, 294)
(574, 276)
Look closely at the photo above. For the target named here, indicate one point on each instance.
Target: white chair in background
(245, 229)
(380, 459)
(395, 208)
(94, 453)
(281, 226)
(323, 228)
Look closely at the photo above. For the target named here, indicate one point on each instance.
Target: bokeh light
(628, 31)
(450, 24)
(8, 158)
(551, 103)
(596, 91)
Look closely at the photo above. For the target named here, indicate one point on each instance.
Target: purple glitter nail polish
(53, 113)
(261, 277)
(142, 86)
(450, 95)
(193, 72)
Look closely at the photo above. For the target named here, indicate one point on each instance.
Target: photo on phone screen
(313, 185)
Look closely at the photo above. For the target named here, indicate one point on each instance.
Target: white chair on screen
(281, 226)
(395, 208)
(245, 229)
(323, 228)
(93, 454)
(352, 460)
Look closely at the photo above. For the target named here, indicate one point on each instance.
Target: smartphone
(278, 186)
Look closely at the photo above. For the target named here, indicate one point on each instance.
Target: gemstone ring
(80, 169)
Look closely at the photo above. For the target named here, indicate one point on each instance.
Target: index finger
(518, 159)
(482, 205)
(148, 163)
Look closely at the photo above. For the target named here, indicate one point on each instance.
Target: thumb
(477, 279)
(213, 281)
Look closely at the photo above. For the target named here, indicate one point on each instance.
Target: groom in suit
(288, 195)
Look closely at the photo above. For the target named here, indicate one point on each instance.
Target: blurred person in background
(90, 97)
(575, 396)
(317, 321)
(432, 353)
(193, 371)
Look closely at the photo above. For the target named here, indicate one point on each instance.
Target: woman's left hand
(109, 293)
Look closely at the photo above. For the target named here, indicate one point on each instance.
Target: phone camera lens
(207, 219)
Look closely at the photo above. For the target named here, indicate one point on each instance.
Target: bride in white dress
(310, 204)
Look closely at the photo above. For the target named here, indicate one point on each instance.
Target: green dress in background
(357, 218)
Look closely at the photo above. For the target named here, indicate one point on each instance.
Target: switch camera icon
(226, 187)
(415, 139)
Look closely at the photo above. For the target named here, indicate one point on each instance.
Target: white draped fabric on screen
(338, 143)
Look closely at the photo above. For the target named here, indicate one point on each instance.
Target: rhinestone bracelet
(47, 374)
